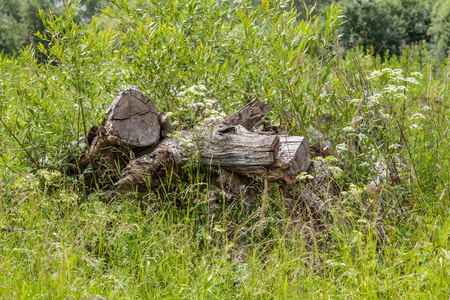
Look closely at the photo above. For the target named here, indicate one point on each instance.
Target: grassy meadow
(59, 241)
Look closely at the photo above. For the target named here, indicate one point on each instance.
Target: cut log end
(133, 118)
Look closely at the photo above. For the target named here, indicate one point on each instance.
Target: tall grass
(384, 241)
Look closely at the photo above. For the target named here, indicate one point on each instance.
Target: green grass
(59, 241)
(72, 249)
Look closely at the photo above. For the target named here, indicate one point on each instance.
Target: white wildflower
(375, 74)
(426, 107)
(394, 88)
(213, 118)
(167, 115)
(384, 115)
(373, 100)
(198, 105)
(412, 80)
(348, 129)
(209, 102)
(336, 171)
(414, 126)
(304, 176)
(396, 72)
(418, 115)
(416, 74)
(355, 190)
(362, 136)
(218, 229)
(49, 175)
(323, 95)
(394, 146)
(330, 159)
(364, 164)
(341, 147)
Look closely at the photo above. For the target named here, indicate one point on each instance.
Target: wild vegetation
(59, 241)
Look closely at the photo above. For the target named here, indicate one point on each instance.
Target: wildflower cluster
(49, 176)
(331, 162)
(194, 109)
(391, 85)
(26, 183)
(304, 177)
(354, 192)
(328, 162)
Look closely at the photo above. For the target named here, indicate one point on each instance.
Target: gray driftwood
(248, 116)
(236, 148)
(293, 158)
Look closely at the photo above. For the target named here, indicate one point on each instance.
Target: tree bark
(154, 170)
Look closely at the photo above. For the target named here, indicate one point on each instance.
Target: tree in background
(19, 19)
(416, 15)
(439, 30)
(90, 7)
(11, 30)
(386, 24)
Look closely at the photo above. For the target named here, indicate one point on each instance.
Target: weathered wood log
(293, 158)
(154, 170)
(248, 116)
(232, 145)
(228, 146)
(277, 158)
(133, 118)
(236, 147)
(131, 123)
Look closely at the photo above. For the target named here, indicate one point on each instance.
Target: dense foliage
(392, 242)
(385, 25)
